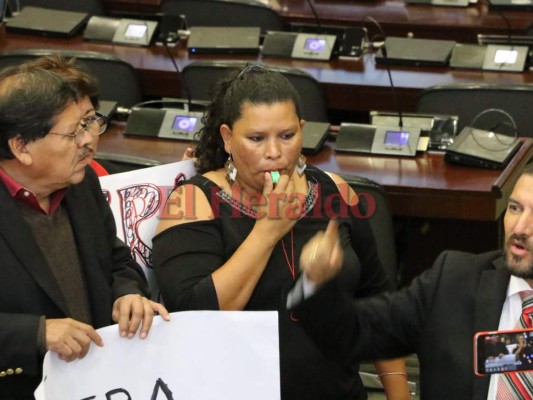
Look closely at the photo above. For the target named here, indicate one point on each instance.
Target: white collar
(517, 285)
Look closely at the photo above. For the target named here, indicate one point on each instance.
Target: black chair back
(118, 81)
(197, 79)
(117, 163)
(467, 101)
(226, 13)
(374, 199)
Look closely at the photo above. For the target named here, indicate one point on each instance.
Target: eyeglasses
(95, 125)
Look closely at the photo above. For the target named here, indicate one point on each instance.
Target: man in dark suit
(63, 272)
(436, 317)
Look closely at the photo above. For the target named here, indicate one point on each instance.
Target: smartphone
(503, 351)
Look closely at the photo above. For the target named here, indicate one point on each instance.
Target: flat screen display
(503, 56)
(135, 31)
(182, 123)
(396, 138)
(315, 44)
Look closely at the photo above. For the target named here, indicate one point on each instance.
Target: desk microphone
(173, 28)
(190, 103)
(169, 122)
(320, 45)
(377, 139)
(504, 18)
(505, 58)
(383, 49)
(350, 41)
(315, 15)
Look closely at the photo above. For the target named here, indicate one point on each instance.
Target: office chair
(116, 163)
(226, 13)
(372, 196)
(91, 7)
(117, 80)
(469, 99)
(374, 199)
(197, 79)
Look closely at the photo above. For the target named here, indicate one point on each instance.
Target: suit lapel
(490, 298)
(489, 304)
(19, 237)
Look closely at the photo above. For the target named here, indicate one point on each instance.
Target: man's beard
(515, 265)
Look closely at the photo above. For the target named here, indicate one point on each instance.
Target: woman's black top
(186, 255)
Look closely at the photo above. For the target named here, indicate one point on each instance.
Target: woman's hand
(188, 154)
(280, 206)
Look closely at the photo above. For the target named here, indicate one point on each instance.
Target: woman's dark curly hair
(255, 85)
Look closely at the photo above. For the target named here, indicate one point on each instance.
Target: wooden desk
(423, 186)
(397, 18)
(358, 86)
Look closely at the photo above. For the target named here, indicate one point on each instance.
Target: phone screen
(503, 351)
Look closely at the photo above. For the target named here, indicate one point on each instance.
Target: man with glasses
(63, 272)
(95, 124)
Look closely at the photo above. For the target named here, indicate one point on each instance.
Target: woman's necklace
(290, 262)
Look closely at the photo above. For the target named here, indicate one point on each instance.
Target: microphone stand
(383, 49)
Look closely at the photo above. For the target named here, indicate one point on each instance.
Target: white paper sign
(198, 355)
(137, 199)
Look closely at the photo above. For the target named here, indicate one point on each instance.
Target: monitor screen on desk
(182, 123)
(501, 57)
(315, 44)
(135, 31)
(396, 138)
(505, 56)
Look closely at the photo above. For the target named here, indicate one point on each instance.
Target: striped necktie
(519, 385)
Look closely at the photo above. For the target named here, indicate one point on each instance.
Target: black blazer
(28, 289)
(435, 317)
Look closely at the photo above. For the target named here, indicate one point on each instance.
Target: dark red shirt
(26, 196)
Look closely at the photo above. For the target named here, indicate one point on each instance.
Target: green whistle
(275, 176)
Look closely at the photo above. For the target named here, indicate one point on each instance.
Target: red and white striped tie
(519, 385)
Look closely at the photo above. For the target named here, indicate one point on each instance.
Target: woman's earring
(231, 171)
(301, 165)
